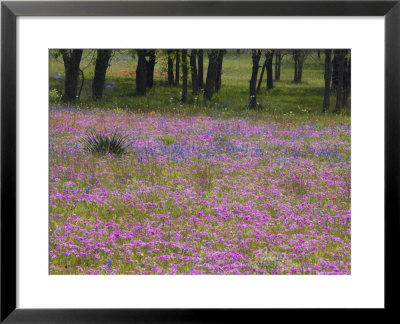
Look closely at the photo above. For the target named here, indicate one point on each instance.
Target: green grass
(286, 98)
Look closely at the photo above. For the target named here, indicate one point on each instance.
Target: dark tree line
(218, 80)
(72, 60)
(200, 68)
(184, 75)
(278, 62)
(100, 69)
(193, 70)
(337, 78)
(170, 68)
(299, 57)
(211, 74)
(327, 79)
(337, 75)
(150, 68)
(196, 70)
(261, 76)
(214, 73)
(183, 60)
(145, 70)
(177, 66)
(269, 55)
(141, 72)
(255, 56)
(268, 59)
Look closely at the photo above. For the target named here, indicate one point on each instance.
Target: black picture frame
(9, 13)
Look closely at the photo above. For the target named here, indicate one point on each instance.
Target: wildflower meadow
(199, 195)
(186, 162)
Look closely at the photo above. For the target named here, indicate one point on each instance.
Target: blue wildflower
(109, 264)
(87, 190)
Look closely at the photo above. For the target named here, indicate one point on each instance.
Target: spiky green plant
(102, 144)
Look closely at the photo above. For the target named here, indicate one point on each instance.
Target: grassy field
(286, 97)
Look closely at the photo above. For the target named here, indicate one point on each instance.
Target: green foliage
(133, 53)
(55, 96)
(168, 140)
(55, 53)
(102, 144)
(285, 98)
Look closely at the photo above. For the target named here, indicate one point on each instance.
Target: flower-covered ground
(200, 195)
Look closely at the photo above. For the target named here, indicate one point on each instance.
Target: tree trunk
(256, 55)
(177, 59)
(193, 69)
(334, 73)
(277, 65)
(327, 78)
(100, 69)
(346, 81)
(184, 75)
(268, 58)
(82, 82)
(295, 57)
(211, 74)
(170, 68)
(301, 57)
(339, 91)
(219, 70)
(72, 59)
(200, 69)
(141, 73)
(261, 76)
(150, 68)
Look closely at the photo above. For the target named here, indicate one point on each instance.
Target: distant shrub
(102, 144)
(55, 96)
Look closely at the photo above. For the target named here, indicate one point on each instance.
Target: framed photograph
(193, 161)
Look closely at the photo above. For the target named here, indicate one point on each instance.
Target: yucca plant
(102, 144)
